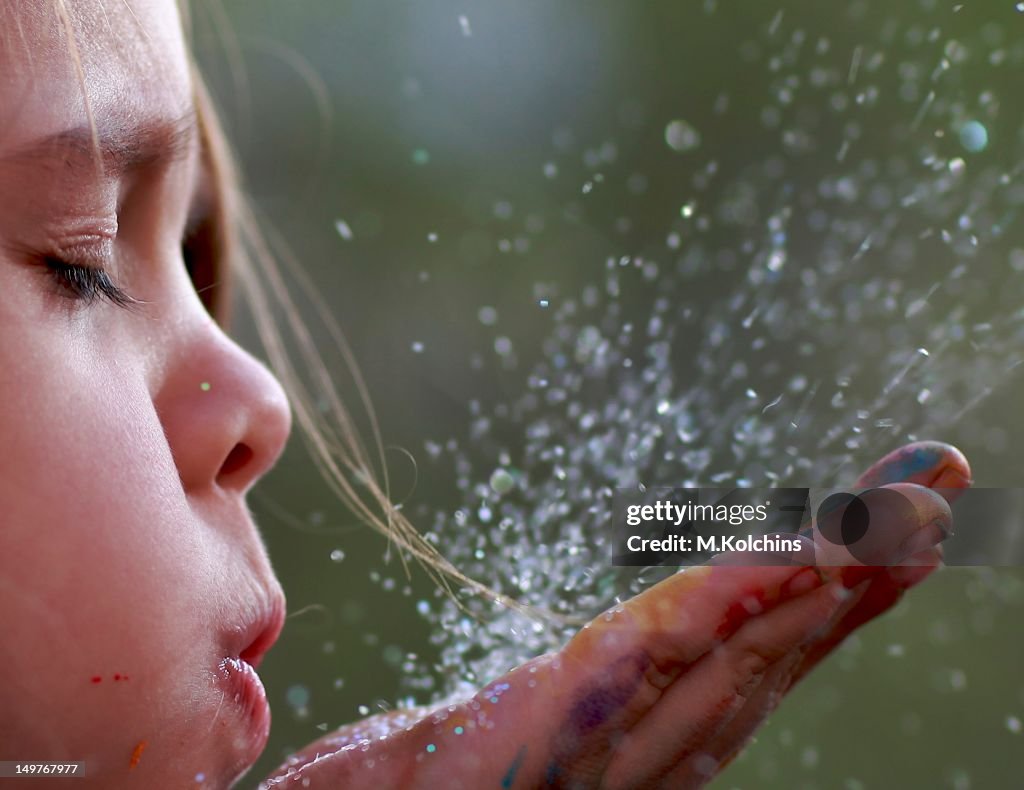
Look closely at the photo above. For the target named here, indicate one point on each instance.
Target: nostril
(239, 456)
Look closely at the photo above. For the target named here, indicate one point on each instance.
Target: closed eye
(87, 283)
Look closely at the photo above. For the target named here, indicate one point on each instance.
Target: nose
(226, 417)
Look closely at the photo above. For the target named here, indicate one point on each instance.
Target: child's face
(130, 569)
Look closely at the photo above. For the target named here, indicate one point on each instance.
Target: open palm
(665, 689)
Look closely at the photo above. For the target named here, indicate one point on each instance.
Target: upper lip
(257, 638)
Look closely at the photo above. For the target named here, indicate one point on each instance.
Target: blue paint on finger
(510, 775)
(916, 460)
(905, 463)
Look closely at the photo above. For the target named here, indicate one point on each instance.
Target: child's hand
(662, 691)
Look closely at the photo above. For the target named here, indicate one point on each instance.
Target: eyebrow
(122, 147)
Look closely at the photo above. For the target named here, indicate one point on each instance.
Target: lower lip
(243, 688)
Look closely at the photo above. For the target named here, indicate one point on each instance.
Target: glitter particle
(681, 136)
(501, 481)
(343, 229)
(973, 136)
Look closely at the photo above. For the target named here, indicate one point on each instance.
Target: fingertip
(928, 463)
(891, 523)
(929, 506)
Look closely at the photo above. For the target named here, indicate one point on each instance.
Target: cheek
(103, 567)
(86, 477)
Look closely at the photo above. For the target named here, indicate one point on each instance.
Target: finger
(882, 526)
(931, 464)
(615, 669)
(869, 600)
(926, 464)
(899, 520)
(908, 541)
(872, 599)
(704, 701)
(695, 770)
(678, 620)
(898, 533)
(891, 514)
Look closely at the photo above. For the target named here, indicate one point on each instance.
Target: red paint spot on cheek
(96, 679)
(117, 677)
(137, 754)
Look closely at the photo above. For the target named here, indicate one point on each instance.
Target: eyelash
(87, 283)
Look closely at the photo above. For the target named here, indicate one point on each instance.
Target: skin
(126, 547)
(125, 543)
(666, 689)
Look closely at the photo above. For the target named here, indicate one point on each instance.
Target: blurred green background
(454, 141)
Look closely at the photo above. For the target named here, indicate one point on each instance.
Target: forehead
(122, 59)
